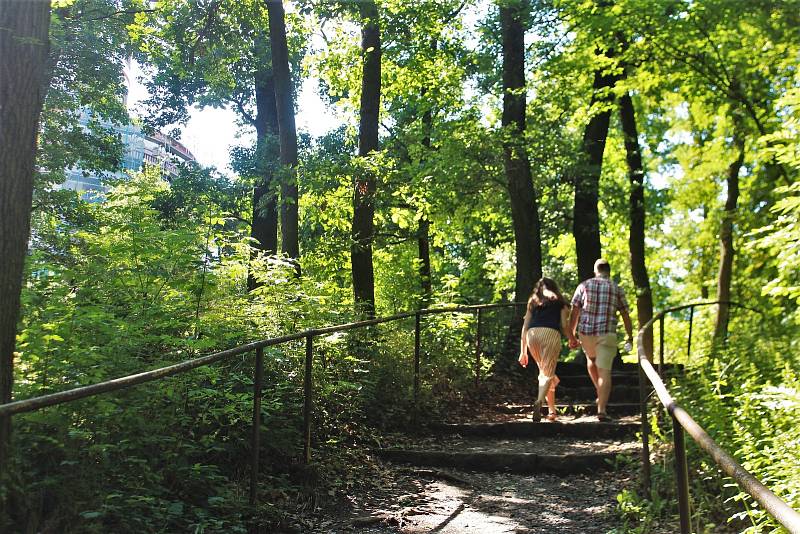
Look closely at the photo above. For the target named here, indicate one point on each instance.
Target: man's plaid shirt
(599, 299)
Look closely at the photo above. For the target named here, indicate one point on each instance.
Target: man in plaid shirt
(594, 312)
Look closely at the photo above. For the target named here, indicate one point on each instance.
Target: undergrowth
(747, 397)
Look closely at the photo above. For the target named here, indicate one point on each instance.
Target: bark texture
(586, 219)
(423, 231)
(524, 210)
(636, 246)
(363, 229)
(264, 228)
(24, 43)
(287, 131)
(727, 251)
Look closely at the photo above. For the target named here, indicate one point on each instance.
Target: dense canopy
(478, 146)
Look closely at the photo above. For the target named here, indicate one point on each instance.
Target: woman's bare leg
(551, 395)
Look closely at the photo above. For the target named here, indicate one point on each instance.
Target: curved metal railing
(36, 403)
(681, 420)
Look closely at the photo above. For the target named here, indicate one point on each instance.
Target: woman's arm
(523, 342)
(565, 321)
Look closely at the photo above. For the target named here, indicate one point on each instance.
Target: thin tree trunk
(24, 27)
(286, 128)
(423, 231)
(726, 238)
(424, 254)
(524, 211)
(636, 245)
(364, 188)
(264, 229)
(586, 219)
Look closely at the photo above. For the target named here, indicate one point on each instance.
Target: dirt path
(489, 499)
(422, 501)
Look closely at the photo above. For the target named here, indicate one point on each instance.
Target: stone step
(615, 409)
(583, 380)
(577, 368)
(587, 394)
(548, 455)
(576, 428)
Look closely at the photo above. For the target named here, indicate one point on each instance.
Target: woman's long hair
(546, 290)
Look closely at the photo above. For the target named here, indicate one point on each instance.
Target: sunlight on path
(509, 504)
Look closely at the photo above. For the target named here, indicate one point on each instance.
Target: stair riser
(619, 394)
(583, 380)
(618, 410)
(594, 430)
(518, 463)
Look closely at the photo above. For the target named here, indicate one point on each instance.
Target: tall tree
(219, 54)
(286, 127)
(23, 59)
(363, 229)
(264, 223)
(725, 275)
(586, 218)
(637, 210)
(524, 211)
(424, 227)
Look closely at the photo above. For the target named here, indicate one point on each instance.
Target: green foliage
(156, 273)
(745, 396)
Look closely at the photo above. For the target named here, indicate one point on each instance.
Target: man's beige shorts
(601, 349)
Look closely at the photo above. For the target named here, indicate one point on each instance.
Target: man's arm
(574, 315)
(622, 306)
(626, 320)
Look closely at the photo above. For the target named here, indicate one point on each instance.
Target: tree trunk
(423, 231)
(364, 188)
(726, 238)
(24, 27)
(524, 211)
(424, 254)
(286, 128)
(264, 229)
(586, 220)
(633, 156)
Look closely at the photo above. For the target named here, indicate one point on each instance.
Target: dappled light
(459, 266)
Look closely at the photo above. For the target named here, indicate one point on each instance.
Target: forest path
(495, 471)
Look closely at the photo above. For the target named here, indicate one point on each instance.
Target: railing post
(646, 484)
(258, 380)
(308, 392)
(416, 365)
(478, 349)
(661, 347)
(682, 473)
(689, 341)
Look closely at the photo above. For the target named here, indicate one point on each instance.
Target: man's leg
(589, 344)
(603, 389)
(592, 369)
(606, 350)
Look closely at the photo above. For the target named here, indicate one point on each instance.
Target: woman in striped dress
(545, 321)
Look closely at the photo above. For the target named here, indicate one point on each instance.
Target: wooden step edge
(530, 429)
(509, 462)
(573, 407)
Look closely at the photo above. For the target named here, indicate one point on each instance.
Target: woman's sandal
(552, 416)
(603, 417)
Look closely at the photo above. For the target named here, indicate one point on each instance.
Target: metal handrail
(28, 405)
(116, 384)
(681, 420)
